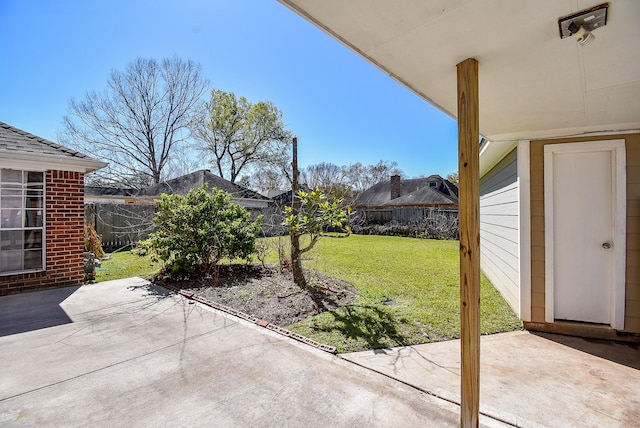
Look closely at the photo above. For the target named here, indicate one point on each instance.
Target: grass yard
(409, 291)
(125, 264)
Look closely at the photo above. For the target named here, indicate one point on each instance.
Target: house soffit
(531, 81)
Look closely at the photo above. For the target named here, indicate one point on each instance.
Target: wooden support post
(469, 212)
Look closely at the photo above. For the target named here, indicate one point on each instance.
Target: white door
(580, 211)
(582, 233)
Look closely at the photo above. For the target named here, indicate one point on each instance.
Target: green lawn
(125, 264)
(409, 291)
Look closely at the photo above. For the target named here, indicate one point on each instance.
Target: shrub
(195, 232)
(435, 224)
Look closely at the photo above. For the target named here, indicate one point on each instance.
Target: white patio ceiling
(532, 83)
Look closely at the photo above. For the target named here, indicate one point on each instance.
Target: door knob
(606, 245)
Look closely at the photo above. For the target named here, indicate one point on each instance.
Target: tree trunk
(296, 260)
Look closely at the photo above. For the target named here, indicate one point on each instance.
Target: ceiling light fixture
(583, 36)
(582, 24)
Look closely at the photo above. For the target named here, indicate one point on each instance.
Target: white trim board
(524, 226)
(40, 162)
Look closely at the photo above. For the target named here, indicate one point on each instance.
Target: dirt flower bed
(268, 294)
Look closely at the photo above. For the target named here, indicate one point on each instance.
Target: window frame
(25, 187)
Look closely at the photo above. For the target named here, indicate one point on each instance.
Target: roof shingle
(183, 184)
(413, 192)
(14, 139)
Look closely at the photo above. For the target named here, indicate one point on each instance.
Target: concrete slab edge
(190, 295)
(487, 412)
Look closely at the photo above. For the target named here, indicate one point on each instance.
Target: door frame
(619, 217)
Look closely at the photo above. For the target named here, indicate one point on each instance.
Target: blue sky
(343, 109)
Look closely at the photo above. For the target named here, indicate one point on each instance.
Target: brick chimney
(395, 186)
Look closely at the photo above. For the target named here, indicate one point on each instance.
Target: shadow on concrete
(627, 354)
(20, 313)
(152, 290)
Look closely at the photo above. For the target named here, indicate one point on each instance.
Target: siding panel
(507, 221)
(499, 228)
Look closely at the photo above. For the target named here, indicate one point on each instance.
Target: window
(21, 221)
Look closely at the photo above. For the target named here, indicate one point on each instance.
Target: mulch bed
(267, 293)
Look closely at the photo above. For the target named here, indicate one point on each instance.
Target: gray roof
(14, 139)
(108, 191)
(284, 195)
(183, 184)
(272, 193)
(413, 192)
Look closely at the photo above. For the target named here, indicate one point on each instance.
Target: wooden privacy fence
(403, 215)
(123, 225)
(435, 223)
(120, 225)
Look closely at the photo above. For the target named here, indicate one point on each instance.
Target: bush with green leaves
(312, 214)
(195, 232)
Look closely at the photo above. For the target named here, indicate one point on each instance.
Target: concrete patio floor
(126, 353)
(528, 380)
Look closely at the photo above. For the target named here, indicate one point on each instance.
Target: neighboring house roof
(180, 186)
(431, 191)
(183, 184)
(108, 191)
(21, 145)
(280, 197)
(284, 195)
(274, 193)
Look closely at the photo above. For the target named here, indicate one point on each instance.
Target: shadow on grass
(376, 326)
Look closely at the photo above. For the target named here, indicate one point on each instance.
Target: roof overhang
(533, 84)
(492, 152)
(42, 162)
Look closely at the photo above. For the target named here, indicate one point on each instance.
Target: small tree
(195, 232)
(312, 216)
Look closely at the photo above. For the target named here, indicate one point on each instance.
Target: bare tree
(362, 177)
(240, 135)
(323, 175)
(347, 182)
(138, 122)
(331, 179)
(270, 178)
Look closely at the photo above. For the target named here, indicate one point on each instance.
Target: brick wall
(64, 237)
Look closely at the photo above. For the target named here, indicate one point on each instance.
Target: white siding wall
(499, 228)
